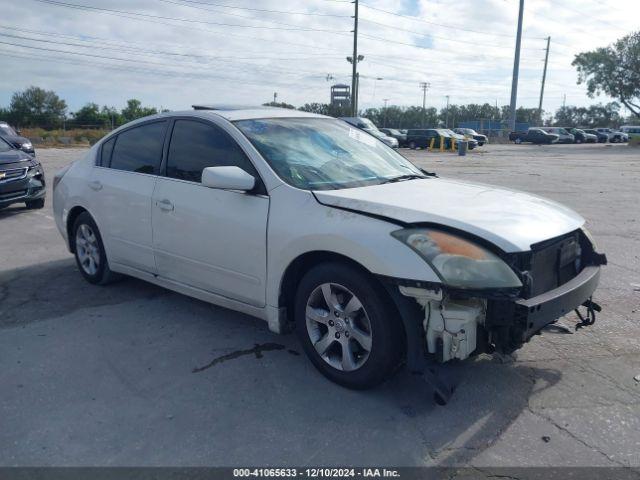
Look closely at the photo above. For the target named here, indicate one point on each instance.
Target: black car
(470, 132)
(397, 134)
(421, 138)
(21, 178)
(602, 137)
(580, 136)
(533, 135)
(14, 138)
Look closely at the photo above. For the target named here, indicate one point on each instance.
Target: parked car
(397, 134)
(563, 135)
(632, 131)
(21, 178)
(369, 127)
(614, 136)
(601, 136)
(533, 135)
(421, 138)
(13, 137)
(290, 217)
(471, 143)
(580, 136)
(470, 132)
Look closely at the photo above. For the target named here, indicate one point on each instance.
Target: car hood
(509, 219)
(14, 156)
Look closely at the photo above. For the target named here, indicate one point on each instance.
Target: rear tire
(91, 257)
(518, 141)
(412, 145)
(347, 326)
(35, 204)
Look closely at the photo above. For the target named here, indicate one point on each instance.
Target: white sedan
(311, 224)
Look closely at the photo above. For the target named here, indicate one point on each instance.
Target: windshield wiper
(400, 178)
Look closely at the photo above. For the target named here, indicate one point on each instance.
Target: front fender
(312, 227)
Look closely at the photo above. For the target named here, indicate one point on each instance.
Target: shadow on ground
(115, 376)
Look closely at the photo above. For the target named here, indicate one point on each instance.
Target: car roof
(243, 112)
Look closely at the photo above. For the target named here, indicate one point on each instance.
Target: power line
(127, 15)
(267, 10)
(439, 24)
(470, 42)
(187, 20)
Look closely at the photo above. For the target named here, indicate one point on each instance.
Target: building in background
(340, 95)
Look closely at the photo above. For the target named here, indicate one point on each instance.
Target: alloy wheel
(87, 249)
(338, 327)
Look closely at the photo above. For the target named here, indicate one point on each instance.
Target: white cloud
(176, 63)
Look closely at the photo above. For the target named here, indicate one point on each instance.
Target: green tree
(613, 70)
(599, 115)
(134, 110)
(37, 107)
(90, 116)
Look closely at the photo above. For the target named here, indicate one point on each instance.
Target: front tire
(347, 326)
(90, 254)
(35, 204)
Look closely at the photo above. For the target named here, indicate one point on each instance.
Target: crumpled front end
(558, 276)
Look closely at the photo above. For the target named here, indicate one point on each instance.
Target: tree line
(36, 107)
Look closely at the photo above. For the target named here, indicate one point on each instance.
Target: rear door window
(196, 145)
(139, 149)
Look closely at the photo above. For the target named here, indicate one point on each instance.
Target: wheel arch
(74, 213)
(304, 262)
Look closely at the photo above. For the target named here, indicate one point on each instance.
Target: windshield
(324, 154)
(4, 146)
(7, 130)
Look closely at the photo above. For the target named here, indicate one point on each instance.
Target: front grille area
(13, 195)
(552, 263)
(12, 174)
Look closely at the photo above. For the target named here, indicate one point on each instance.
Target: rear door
(211, 239)
(122, 186)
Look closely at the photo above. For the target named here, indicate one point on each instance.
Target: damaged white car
(313, 225)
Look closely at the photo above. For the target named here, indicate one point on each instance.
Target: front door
(211, 239)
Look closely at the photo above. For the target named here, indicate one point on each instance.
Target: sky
(174, 53)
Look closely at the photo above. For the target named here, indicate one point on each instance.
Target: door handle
(165, 205)
(95, 185)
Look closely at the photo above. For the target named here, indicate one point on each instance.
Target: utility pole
(354, 84)
(384, 121)
(275, 97)
(564, 101)
(446, 120)
(516, 69)
(544, 78)
(424, 86)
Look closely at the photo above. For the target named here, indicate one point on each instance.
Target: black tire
(386, 331)
(35, 204)
(412, 145)
(103, 274)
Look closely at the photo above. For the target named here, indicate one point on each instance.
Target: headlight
(587, 234)
(458, 262)
(27, 145)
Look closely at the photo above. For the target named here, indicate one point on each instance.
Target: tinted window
(139, 149)
(105, 152)
(196, 145)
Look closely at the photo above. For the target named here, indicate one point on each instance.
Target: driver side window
(197, 145)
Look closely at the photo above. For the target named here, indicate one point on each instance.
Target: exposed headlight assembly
(458, 262)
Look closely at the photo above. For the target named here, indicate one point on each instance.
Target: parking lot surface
(125, 374)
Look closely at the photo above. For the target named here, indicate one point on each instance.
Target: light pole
(446, 118)
(384, 121)
(516, 69)
(355, 81)
(424, 86)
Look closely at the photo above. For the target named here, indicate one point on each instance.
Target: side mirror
(18, 132)
(228, 178)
